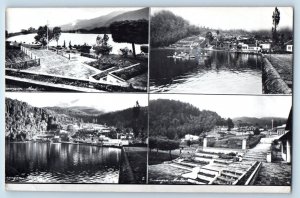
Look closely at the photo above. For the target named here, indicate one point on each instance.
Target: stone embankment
(272, 82)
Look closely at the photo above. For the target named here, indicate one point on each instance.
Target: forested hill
(22, 118)
(174, 119)
(260, 122)
(135, 118)
(167, 28)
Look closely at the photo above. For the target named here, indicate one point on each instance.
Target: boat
(181, 56)
(33, 45)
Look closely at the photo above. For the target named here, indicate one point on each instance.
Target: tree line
(167, 28)
(174, 119)
(163, 144)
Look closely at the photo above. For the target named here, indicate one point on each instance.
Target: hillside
(168, 28)
(75, 111)
(261, 122)
(106, 20)
(174, 119)
(22, 118)
(135, 118)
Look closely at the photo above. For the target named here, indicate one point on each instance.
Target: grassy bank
(134, 165)
(160, 157)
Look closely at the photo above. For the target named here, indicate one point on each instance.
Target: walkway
(271, 174)
(258, 153)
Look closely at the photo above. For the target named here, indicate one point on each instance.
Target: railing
(24, 64)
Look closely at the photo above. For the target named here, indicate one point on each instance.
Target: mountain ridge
(106, 20)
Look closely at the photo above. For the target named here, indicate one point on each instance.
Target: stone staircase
(256, 155)
(260, 151)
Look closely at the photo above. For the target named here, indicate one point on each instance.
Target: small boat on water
(33, 45)
(181, 56)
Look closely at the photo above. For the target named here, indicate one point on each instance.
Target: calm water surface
(76, 39)
(218, 73)
(61, 163)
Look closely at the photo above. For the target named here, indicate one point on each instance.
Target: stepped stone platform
(204, 168)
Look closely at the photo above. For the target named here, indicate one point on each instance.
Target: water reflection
(205, 72)
(63, 163)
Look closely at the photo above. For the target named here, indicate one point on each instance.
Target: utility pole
(47, 35)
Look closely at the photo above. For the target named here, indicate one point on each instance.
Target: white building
(289, 46)
(191, 137)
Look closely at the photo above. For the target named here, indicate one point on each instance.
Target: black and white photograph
(75, 138)
(148, 99)
(77, 49)
(221, 50)
(220, 140)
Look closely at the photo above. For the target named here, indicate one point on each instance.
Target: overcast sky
(23, 18)
(236, 105)
(101, 101)
(247, 18)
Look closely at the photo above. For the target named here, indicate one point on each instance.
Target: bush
(102, 49)
(124, 51)
(144, 49)
(84, 48)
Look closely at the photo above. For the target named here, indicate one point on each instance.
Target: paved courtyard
(52, 63)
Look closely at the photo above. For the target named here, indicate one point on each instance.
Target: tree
(70, 45)
(102, 46)
(167, 145)
(209, 37)
(44, 33)
(134, 32)
(64, 45)
(230, 124)
(56, 34)
(276, 19)
(6, 34)
(256, 131)
(136, 112)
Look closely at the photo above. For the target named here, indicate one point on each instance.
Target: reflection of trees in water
(165, 70)
(28, 158)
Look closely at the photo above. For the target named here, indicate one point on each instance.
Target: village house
(289, 46)
(265, 47)
(191, 137)
(286, 140)
(280, 130)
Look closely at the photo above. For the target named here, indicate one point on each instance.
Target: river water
(220, 72)
(60, 163)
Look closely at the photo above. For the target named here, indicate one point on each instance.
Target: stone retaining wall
(272, 82)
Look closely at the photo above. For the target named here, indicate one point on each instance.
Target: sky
(101, 101)
(23, 18)
(232, 106)
(247, 18)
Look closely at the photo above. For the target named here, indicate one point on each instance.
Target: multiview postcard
(139, 99)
